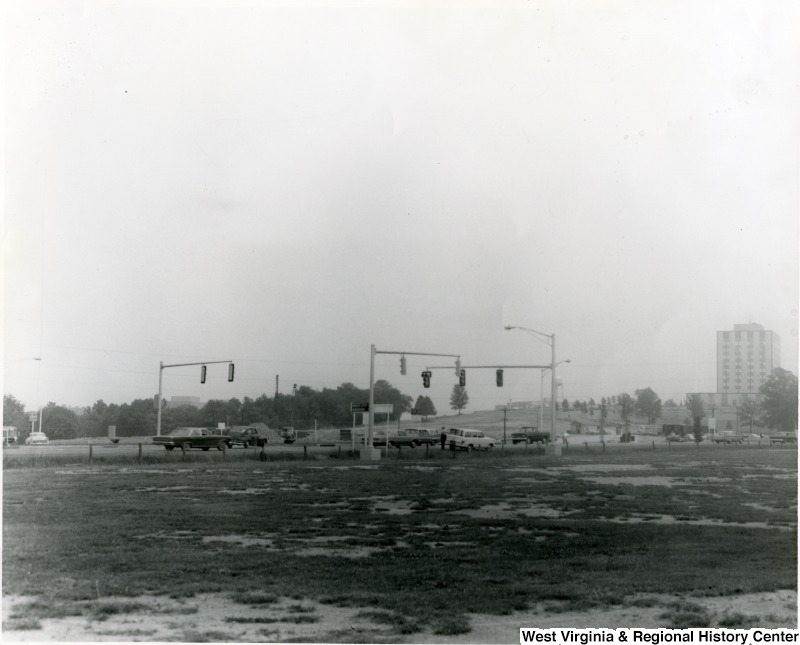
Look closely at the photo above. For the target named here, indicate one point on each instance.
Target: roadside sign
(383, 408)
(359, 407)
(32, 416)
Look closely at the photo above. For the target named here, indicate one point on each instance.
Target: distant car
(727, 438)
(187, 438)
(247, 437)
(783, 437)
(37, 439)
(529, 434)
(413, 437)
(465, 439)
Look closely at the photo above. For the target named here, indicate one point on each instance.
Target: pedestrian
(443, 437)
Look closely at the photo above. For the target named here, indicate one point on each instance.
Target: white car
(464, 439)
(36, 438)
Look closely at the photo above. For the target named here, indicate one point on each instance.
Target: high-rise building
(745, 358)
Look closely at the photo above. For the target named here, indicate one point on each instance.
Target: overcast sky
(285, 184)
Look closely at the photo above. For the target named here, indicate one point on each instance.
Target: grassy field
(404, 549)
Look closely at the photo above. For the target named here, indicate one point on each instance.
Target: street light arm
(547, 338)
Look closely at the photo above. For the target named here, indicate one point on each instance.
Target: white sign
(383, 408)
(712, 424)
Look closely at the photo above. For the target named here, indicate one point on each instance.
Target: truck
(530, 434)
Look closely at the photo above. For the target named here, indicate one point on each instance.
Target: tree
(696, 411)
(14, 414)
(779, 400)
(425, 407)
(59, 422)
(385, 392)
(625, 402)
(648, 404)
(670, 403)
(565, 405)
(749, 411)
(458, 398)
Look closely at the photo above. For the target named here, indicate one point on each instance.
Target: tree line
(301, 409)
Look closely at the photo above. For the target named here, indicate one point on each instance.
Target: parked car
(727, 438)
(465, 439)
(247, 437)
(529, 434)
(187, 438)
(37, 439)
(413, 437)
(783, 437)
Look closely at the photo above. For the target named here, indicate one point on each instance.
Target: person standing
(443, 437)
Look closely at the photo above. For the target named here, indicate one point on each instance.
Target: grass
(141, 532)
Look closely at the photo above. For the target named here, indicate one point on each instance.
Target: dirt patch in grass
(214, 617)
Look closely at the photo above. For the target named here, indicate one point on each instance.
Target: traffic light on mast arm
(426, 378)
(499, 378)
(462, 377)
(203, 370)
(403, 365)
(230, 372)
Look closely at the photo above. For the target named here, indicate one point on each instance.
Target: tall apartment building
(745, 358)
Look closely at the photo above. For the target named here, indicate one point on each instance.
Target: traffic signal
(499, 378)
(203, 370)
(403, 365)
(230, 372)
(462, 377)
(426, 378)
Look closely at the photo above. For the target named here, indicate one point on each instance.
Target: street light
(550, 339)
(541, 396)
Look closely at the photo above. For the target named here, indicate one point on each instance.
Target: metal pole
(371, 413)
(553, 388)
(541, 402)
(158, 403)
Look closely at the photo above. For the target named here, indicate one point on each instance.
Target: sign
(383, 408)
(32, 416)
(359, 407)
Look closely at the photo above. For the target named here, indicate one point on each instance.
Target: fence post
(90, 453)
(654, 444)
(305, 452)
(140, 453)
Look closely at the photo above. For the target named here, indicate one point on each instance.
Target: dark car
(187, 438)
(247, 437)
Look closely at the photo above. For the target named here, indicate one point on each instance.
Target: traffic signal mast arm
(491, 367)
(162, 367)
(402, 355)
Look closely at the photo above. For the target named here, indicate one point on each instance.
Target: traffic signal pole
(372, 352)
(162, 367)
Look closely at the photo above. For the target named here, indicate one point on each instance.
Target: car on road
(727, 438)
(529, 434)
(37, 439)
(783, 437)
(247, 437)
(413, 437)
(466, 439)
(188, 438)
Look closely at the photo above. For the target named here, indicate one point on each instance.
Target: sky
(284, 185)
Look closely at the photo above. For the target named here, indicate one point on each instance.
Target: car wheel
(169, 447)
(222, 445)
(490, 446)
(469, 448)
(205, 447)
(186, 446)
(414, 443)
